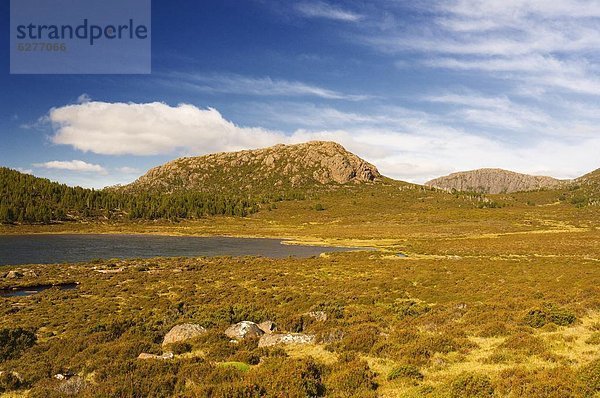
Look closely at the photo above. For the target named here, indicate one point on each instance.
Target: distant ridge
(593, 177)
(309, 164)
(493, 181)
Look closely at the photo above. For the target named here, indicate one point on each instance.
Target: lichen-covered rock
(319, 316)
(267, 326)
(269, 340)
(165, 356)
(243, 330)
(182, 333)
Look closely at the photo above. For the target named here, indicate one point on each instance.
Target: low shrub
(589, 375)
(410, 308)
(249, 357)
(594, 339)
(405, 372)
(494, 329)
(524, 343)
(9, 382)
(14, 341)
(539, 383)
(549, 313)
(360, 338)
(180, 347)
(351, 378)
(297, 377)
(471, 385)
(418, 352)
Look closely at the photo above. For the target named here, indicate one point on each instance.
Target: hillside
(26, 199)
(493, 181)
(277, 168)
(593, 177)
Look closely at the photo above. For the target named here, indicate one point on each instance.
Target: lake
(45, 249)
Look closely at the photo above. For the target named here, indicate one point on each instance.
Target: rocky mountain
(493, 181)
(278, 167)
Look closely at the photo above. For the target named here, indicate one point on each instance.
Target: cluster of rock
(315, 162)
(264, 331)
(14, 274)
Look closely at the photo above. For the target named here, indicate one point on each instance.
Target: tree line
(28, 199)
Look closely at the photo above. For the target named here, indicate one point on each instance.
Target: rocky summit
(280, 166)
(493, 181)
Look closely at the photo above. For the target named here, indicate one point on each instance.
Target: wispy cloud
(320, 9)
(72, 165)
(537, 46)
(254, 86)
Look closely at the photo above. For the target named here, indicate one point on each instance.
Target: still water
(42, 249)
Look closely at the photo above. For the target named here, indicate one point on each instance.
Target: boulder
(165, 356)
(319, 316)
(183, 332)
(267, 326)
(72, 386)
(269, 340)
(243, 330)
(13, 275)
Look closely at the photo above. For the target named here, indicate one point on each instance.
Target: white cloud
(72, 165)
(263, 86)
(150, 129)
(24, 171)
(320, 9)
(404, 144)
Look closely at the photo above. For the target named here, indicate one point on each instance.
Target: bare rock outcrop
(493, 181)
(183, 332)
(268, 327)
(13, 275)
(243, 330)
(269, 340)
(319, 316)
(163, 357)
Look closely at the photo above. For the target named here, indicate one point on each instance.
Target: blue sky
(420, 89)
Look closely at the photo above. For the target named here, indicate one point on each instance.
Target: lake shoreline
(184, 230)
(70, 248)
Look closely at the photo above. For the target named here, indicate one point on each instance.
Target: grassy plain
(499, 296)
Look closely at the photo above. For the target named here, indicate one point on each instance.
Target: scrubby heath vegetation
(495, 296)
(437, 326)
